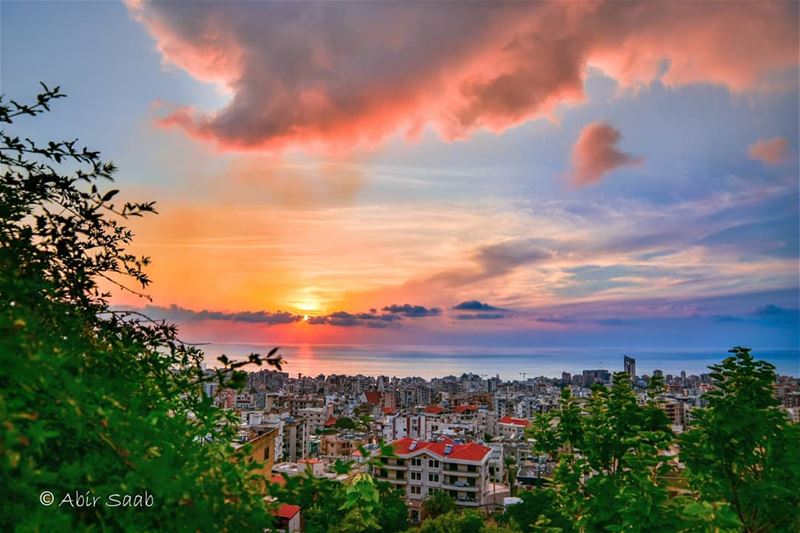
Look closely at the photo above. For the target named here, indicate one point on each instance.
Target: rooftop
(515, 421)
(471, 451)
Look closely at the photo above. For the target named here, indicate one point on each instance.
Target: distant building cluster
(462, 435)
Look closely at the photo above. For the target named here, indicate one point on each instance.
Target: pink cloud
(770, 151)
(343, 74)
(595, 154)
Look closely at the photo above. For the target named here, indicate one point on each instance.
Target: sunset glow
(525, 174)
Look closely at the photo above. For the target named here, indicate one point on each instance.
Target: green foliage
(320, 499)
(345, 423)
(537, 507)
(393, 512)
(453, 522)
(610, 461)
(743, 450)
(364, 505)
(437, 504)
(94, 398)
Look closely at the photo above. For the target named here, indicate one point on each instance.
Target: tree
(345, 423)
(742, 450)
(536, 504)
(92, 398)
(611, 460)
(453, 522)
(320, 499)
(437, 503)
(393, 513)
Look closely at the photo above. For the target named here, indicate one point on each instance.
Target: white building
(422, 467)
(512, 428)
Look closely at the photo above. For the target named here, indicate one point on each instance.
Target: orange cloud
(595, 154)
(770, 151)
(339, 75)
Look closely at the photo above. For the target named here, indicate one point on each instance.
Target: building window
(416, 476)
(433, 464)
(416, 489)
(433, 477)
(416, 462)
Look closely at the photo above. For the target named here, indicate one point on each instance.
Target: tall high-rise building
(630, 367)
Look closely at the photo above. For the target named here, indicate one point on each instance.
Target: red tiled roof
(460, 409)
(373, 397)
(329, 422)
(471, 451)
(286, 510)
(389, 410)
(434, 409)
(278, 480)
(515, 421)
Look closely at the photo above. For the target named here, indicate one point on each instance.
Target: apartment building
(423, 467)
(342, 445)
(316, 417)
(512, 428)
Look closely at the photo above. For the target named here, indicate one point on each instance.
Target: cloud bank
(342, 74)
(390, 315)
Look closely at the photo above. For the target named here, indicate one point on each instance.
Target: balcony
(459, 484)
(394, 464)
(461, 471)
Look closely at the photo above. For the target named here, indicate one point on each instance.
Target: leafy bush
(93, 399)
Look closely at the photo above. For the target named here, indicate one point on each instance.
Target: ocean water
(509, 364)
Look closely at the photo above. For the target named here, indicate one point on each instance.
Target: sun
(308, 304)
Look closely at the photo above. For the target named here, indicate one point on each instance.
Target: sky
(441, 174)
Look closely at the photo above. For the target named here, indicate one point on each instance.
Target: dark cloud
(342, 73)
(775, 310)
(775, 315)
(412, 311)
(180, 314)
(345, 319)
(475, 305)
(392, 315)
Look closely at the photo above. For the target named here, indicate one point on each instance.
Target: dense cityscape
(399, 267)
(462, 435)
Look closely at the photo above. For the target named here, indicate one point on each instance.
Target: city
(461, 435)
(464, 266)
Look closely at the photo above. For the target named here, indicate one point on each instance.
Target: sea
(507, 363)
